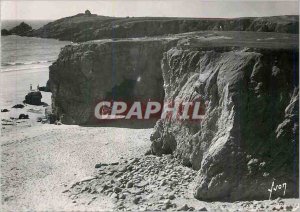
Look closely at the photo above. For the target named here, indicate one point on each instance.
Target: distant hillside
(84, 27)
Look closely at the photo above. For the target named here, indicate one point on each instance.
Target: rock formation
(33, 98)
(248, 82)
(105, 70)
(22, 29)
(249, 136)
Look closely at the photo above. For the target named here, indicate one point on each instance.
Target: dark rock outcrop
(33, 98)
(22, 29)
(23, 116)
(85, 27)
(18, 106)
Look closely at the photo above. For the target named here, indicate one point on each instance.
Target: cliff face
(250, 130)
(247, 81)
(105, 70)
(84, 27)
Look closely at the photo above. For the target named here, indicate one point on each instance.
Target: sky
(54, 9)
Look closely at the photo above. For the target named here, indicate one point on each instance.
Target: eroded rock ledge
(250, 130)
(248, 81)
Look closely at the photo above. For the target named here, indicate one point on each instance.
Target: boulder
(4, 110)
(33, 98)
(23, 116)
(44, 89)
(18, 106)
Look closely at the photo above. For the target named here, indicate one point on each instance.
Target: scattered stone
(288, 208)
(137, 183)
(118, 175)
(123, 169)
(117, 189)
(57, 122)
(86, 179)
(114, 196)
(23, 116)
(167, 204)
(203, 209)
(171, 196)
(143, 184)
(98, 165)
(20, 106)
(122, 196)
(163, 182)
(115, 163)
(129, 184)
(136, 200)
(4, 110)
(185, 207)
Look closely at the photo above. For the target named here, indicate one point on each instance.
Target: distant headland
(22, 29)
(87, 26)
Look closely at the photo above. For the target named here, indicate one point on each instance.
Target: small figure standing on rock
(30, 87)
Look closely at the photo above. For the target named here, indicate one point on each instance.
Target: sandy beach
(40, 161)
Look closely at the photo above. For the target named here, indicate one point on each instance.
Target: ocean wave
(32, 68)
(26, 63)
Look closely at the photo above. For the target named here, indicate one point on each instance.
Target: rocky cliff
(249, 136)
(105, 70)
(84, 27)
(247, 81)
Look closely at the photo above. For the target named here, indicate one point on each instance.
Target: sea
(25, 62)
